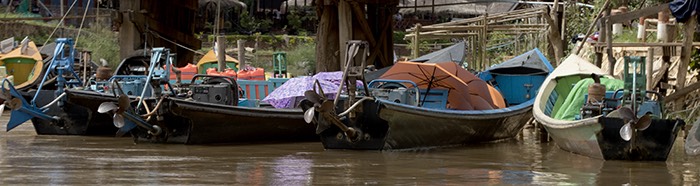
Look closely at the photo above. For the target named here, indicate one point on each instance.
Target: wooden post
(62, 4)
(662, 27)
(221, 52)
(650, 68)
(344, 29)
(129, 36)
(687, 50)
(482, 39)
(608, 40)
(416, 41)
(87, 57)
(642, 29)
(97, 14)
(241, 53)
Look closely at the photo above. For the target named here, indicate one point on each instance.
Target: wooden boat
(77, 113)
(217, 117)
(25, 64)
(195, 122)
(392, 118)
(600, 136)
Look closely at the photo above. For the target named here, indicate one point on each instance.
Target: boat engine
(215, 89)
(595, 104)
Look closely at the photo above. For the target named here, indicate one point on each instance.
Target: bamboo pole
(483, 41)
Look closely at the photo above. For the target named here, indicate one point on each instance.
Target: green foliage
(102, 42)
(249, 23)
(302, 59)
(295, 21)
(695, 60)
(398, 37)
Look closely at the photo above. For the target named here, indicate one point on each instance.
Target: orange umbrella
(429, 76)
(476, 86)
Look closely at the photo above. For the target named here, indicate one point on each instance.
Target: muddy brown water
(27, 158)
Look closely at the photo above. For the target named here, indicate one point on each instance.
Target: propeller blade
(128, 125)
(124, 103)
(627, 114)
(6, 95)
(312, 96)
(17, 118)
(644, 122)
(107, 107)
(118, 120)
(626, 132)
(14, 103)
(309, 115)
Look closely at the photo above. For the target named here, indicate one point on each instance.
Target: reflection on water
(26, 158)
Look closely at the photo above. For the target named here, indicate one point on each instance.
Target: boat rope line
(173, 42)
(87, 6)
(58, 25)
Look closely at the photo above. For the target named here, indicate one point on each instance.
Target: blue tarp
(684, 9)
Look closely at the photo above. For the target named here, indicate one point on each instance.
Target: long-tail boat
(426, 105)
(605, 118)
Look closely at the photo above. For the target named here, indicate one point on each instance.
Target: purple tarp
(289, 94)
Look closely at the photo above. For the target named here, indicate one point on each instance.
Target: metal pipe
(354, 105)
(54, 101)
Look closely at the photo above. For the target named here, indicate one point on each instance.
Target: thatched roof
(477, 8)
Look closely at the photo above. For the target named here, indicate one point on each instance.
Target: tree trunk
(327, 45)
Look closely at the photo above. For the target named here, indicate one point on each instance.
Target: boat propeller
(632, 123)
(326, 109)
(123, 117)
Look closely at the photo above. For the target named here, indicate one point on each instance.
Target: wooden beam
(680, 93)
(376, 51)
(188, 40)
(686, 52)
(444, 36)
(477, 27)
(663, 70)
(493, 16)
(636, 44)
(366, 30)
(653, 10)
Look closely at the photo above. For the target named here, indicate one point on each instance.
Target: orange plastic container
(246, 74)
(228, 72)
(188, 72)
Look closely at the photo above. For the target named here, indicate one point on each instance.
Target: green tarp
(574, 101)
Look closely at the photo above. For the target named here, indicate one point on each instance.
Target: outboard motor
(596, 94)
(214, 89)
